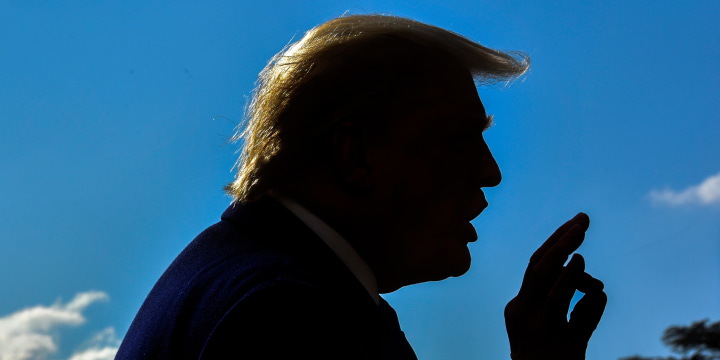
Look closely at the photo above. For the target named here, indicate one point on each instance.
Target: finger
(558, 254)
(558, 300)
(588, 284)
(580, 219)
(540, 277)
(586, 316)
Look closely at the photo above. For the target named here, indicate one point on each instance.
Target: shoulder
(292, 319)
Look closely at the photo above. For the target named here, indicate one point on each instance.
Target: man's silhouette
(363, 164)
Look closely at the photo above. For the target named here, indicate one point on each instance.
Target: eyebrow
(488, 122)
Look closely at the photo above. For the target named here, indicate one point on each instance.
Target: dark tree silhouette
(699, 341)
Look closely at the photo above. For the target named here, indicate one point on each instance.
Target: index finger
(546, 265)
(580, 219)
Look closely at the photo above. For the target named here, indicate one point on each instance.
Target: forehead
(445, 103)
(454, 96)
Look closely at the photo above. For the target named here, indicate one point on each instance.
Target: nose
(487, 172)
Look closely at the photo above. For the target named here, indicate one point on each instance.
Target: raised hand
(536, 319)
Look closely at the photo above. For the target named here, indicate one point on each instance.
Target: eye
(463, 142)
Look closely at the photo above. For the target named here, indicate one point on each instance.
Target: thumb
(586, 316)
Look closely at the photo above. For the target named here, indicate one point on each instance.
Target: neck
(355, 218)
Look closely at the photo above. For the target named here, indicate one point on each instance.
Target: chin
(460, 262)
(453, 264)
(431, 274)
(461, 270)
(457, 266)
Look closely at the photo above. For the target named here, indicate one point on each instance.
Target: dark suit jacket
(260, 284)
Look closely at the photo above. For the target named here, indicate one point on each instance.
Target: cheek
(423, 205)
(425, 230)
(427, 197)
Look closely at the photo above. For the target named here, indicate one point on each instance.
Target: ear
(350, 145)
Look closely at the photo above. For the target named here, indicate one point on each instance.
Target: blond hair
(349, 67)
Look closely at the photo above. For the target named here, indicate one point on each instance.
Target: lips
(468, 232)
(466, 229)
(479, 206)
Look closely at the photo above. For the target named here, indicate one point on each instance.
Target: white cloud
(27, 334)
(707, 192)
(102, 346)
(104, 353)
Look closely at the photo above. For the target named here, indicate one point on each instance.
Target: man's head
(374, 123)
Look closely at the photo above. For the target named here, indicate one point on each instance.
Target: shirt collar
(335, 242)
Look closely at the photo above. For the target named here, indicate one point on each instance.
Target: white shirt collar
(336, 243)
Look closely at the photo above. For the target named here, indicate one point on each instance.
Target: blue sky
(114, 118)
